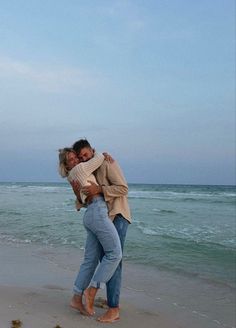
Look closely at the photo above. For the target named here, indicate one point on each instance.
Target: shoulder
(109, 165)
(110, 168)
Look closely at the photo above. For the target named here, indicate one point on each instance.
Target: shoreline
(36, 286)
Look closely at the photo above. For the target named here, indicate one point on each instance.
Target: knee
(116, 255)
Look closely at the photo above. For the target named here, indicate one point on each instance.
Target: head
(67, 160)
(83, 150)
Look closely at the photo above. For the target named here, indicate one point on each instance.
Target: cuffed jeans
(101, 234)
(113, 286)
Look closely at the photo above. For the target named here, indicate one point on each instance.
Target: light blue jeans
(100, 231)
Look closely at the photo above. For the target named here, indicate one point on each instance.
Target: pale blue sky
(152, 82)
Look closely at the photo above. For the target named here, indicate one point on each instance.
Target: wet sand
(36, 287)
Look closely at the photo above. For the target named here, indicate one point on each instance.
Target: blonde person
(100, 231)
(114, 188)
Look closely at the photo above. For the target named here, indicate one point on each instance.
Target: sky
(151, 82)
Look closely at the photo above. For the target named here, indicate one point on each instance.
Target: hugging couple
(100, 186)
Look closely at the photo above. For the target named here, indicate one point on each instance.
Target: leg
(114, 284)
(91, 260)
(108, 237)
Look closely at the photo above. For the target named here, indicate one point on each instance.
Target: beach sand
(36, 287)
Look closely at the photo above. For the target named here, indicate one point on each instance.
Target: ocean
(186, 229)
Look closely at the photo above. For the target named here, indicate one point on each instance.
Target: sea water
(188, 229)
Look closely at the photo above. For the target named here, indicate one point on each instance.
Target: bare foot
(112, 315)
(85, 294)
(89, 295)
(76, 303)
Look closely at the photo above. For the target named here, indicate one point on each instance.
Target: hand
(92, 189)
(108, 157)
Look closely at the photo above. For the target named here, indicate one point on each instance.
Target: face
(72, 160)
(85, 154)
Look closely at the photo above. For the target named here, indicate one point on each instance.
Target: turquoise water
(187, 229)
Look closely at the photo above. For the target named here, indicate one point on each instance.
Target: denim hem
(96, 284)
(77, 291)
(113, 306)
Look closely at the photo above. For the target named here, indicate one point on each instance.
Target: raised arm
(93, 164)
(115, 185)
(83, 170)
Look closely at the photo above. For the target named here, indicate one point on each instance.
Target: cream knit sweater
(82, 172)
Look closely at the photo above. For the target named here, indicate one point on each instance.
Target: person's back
(115, 189)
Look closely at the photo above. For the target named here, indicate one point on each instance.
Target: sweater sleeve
(118, 185)
(83, 170)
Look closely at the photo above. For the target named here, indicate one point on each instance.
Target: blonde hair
(63, 168)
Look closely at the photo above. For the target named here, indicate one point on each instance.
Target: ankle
(117, 308)
(77, 297)
(92, 291)
(114, 310)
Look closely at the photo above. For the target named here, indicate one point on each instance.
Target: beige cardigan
(115, 189)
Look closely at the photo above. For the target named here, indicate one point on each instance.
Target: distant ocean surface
(187, 229)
